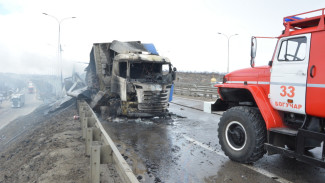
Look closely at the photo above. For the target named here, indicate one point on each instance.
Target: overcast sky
(186, 31)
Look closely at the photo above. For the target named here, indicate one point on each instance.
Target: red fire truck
(278, 108)
(30, 87)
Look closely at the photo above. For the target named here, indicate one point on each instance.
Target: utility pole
(228, 38)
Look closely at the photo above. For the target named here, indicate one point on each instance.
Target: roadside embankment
(43, 147)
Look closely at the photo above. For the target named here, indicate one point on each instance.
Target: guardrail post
(86, 122)
(81, 109)
(82, 115)
(95, 162)
(89, 139)
(84, 127)
(93, 134)
(102, 154)
(80, 105)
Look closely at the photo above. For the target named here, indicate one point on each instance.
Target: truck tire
(242, 134)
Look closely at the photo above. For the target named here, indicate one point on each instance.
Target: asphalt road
(8, 114)
(185, 148)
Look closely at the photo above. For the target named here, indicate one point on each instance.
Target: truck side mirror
(174, 74)
(253, 51)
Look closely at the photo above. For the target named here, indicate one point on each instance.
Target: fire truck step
(284, 131)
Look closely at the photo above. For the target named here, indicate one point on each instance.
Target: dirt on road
(42, 147)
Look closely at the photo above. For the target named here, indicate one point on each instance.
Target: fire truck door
(289, 74)
(315, 99)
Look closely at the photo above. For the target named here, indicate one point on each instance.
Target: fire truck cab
(278, 108)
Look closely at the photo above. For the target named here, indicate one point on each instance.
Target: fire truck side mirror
(253, 51)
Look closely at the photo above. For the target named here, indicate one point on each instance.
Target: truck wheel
(242, 134)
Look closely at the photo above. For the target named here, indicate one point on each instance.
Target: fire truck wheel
(242, 134)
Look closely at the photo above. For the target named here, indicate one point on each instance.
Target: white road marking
(204, 146)
(259, 170)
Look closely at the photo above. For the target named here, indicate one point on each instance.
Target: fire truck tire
(242, 134)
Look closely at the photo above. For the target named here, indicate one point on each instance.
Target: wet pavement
(185, 148)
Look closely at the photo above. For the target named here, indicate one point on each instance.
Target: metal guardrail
(207, 91)
(100, 147)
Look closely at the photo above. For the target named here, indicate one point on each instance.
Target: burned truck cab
(129, 79)
(143, 83)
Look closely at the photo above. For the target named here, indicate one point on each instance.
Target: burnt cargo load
(129, 79)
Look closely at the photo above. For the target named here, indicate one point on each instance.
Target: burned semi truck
(17, 100)
(129, 79)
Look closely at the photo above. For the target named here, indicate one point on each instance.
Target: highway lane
(185, 148)
(8, 114)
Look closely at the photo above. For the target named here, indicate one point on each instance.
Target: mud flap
(219, 105)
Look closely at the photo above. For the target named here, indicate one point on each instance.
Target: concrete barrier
(100, 147)
(207, 107)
